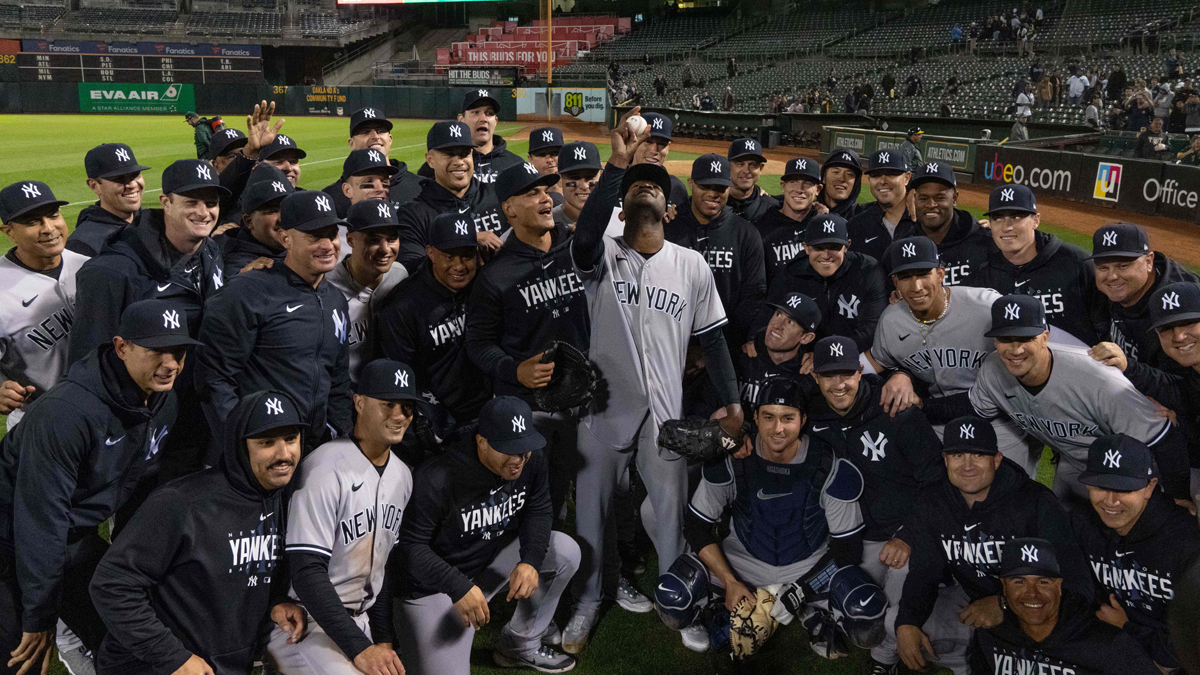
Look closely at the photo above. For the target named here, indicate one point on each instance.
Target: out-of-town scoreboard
(138, 63)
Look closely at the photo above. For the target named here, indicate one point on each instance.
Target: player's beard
(642, 214)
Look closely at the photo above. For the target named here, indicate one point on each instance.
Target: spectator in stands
(889, 84)
(1020, 128)
(1076, 85)
(1141, 111)
(660, 85)
(706, 101)
(1118, 118)
(1173, 65)
(1091, 115)
(832, 80)
(1024, 100)
(973, 34)
(1116, 83)
(1036, 71)
(1039, 17)
(945, 110)
(913, 85)
(727, 99)
(952, 84)
(1153, 142)
(686, 76)
(676, 100)
(1043, 93)
(956, 37)
(1191, 108)
(647, 60)
(731, 67)
(1191, 155)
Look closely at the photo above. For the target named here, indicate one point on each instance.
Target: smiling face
(799, 195)
(839, 388)
(839, 182)
(122, 194)
(455, 268)
(1124, 280)
(1012, 231)
(381, 422)
(482, 120)
(1022, 355)
(783, 334)
(1033, 599)
(370, 185)
(653, 151)
(508, 467)
(921, 289)
(577, 186)
(287, 161)
(452, 167)
(375, 249)
(190, 217)
(889, 187)
(532, 210)
(1179, 340)
(970, 472)
(826, 258)
(935, 205)
(708, 200)
(39, 234)
(778, 427)
(312, 253)
(372, 136)
(744, 173)
(1121, 510)
(263, 224)
(153, 371)
(273, 458)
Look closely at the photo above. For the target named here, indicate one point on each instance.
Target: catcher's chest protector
(777, 512)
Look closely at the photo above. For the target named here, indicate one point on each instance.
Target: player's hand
(1164, 412)
(821, 209)
(34, 650)
(624, 142)
(898, 394)
(522, 582)
(379, 659)
(735, 592)
(532, 373)
(193, 666)
(257, 264)
(895, 553)
(731, 422)
(672, 211)
(806, 364)
(1187, 504)
(12, 396)
(749, 350)
(489, 240)
(913, 645)
(259, 130)
(985, 223)
(911, 203)
(895, 297)
(290, 619)
(473, 609)
(222, 229)
(984, 613)
(1110, 355)
(1112, 612)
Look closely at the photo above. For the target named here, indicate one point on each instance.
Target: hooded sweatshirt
(964, 249)
(868, 234)
(239, 248)
(478, 205)
(93, 228)
(848, 207)
(753, 207)
(783, 239)
(489, 165)
(77, 456)
(404, 187)
(195, 570)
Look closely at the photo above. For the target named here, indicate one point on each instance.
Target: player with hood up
(841, 180)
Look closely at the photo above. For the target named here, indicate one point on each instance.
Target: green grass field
(51, 149)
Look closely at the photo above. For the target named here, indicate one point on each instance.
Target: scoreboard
(137, 68)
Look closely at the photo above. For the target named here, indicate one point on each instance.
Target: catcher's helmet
(858, 606)
(682, 592)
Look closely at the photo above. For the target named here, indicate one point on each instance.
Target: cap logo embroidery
(1112, 459)
(715, 166)
(885, 157)
(283, 140)
(1110, 239)
(278, 187)
(455, 131)
(229, 133)
(375, 156)
(385, 211)
(931, 167)
(657, 123)
(1012, 311)
(369, 113)
(123, 155)
(203, 172)
(801, 164)
(401, 378)
(323, 204)
(1029, 554)
(1007, 195)
(31, 191)
(794, 301)
(750, 145)
(835, 349)
(828, 226)
(968, 431)
(460, 227)
(484, 92)
(171, 318)
(547, 136)
(909, 250)
(1171, 300)
(274, 406)
(518, 424)
(531, 169)
(581, 153)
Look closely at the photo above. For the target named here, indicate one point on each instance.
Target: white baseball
(637, 124)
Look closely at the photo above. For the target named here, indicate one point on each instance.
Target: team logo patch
(794, 301)
(875, 449)
(835, 349)
(274, 406)
(322, 203)
(283, 140)
(1170, 300)
(456, 131)
(278, 187)
(171, 318)
(531, 169)
(909, 250)
(581, 153)
(967, 431)
(123, 155)
(202, 171)
(1012, 311)
(547, 136)
(518, 424)
(401, 378)
(1108, 183)
(1029, 554)
(375, 156)
(460, 227)
(715, 166)
(1112, 459)
(31, 191)
(885, 157)
(1007, 195)
(369, 113)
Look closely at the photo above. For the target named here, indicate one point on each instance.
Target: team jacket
(869, 236)
(140, 264)
(523, 301)
(1180, 393)
(850, 300)
(405, 186)
(1129, 327)
(964, 250)
(76, 457)
(947, 537)
(734, 251)
(239, 248)
(93, 228)
(755, 206)
(461, 515)
(1142, 568)
(1060, 275)
(489, 165)
(361, 299)
(783, 239)
(1080, 644)
(194, 570)
(423, 324)
(895, 455)
(270, 329)
(478, 207)
(753, 372)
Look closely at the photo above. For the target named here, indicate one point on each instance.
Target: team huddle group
(311, 419)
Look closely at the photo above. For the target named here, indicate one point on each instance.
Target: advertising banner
(1046, 171)
(856, 141)
(1177, 192)
(1118, 181)
(144, 48)
(954, 153)
(498, 76)
(585, 105)
(135, 98)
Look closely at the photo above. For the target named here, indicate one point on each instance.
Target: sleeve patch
(846, 483)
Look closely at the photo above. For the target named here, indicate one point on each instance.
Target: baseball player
(1062, 397)
(115, 176)
(343, 522)
(368, 274)
(480, 520)
(83, 450)
(1132, 526)
(963, 245)
(481, 113)
(787, 504)
(260, 133)
(259, 234)
(874, 228)
(782, 229)
(960, 527)
(639, 285)
(370, 130)
(226, 144)
(746, 164)
(545, 144)
(579, 166)
(777, 350)
(933, 339)
(1028, 262)
(654, 151)
(841, 181)
(453, 188)
(365, 175)
(190, 583)
(728, 242)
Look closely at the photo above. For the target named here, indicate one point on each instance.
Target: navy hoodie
(478, 205)
(963, 250)
(239, 248)
(868, 234)
(783, 239)
(755, 206)
(93, 228)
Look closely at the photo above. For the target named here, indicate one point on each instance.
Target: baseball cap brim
(546, 179)
(651, 172)
(372, 120)
(828, 240)
(390, 170)
(456, 243)
(17, 214)
(1015, 331)
(1108, 481)
(284, 148)
(1014, 209)
(718, 181)
(975, 450)
(483, 99)
(917, 265)
(218, 150)
(917, 182)
(164, 341)
(1030, 570)
(453, 143)
(837, 366)
(878, 169)
(196, 187)
(1173, 318)
(519, 446)
(1117, 254)
(319, 223)
(747, 155)
(351, 227)
(134, 168)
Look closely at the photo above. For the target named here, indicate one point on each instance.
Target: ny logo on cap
(1012, 311)
(203, 172)
(531, 169)
(751, 145)
(931, 167)
(455, 131)
(835, 349)
(401, 378)
(323, 204)
(385, 211)
(547, 136)
(828, 226)
(484, 92)
(1110, 239)
(278, 187)
(123, 155)
(229, 133)
(460, 227)
(885, 157)
(1029, 554)
(171, 318)
(375, 156)
(518, 424)
(874, 447)
(274, 406)
(801, 164)
(283, 140)
(581, 153)
(339, 326)
(31, 191)
(1112, 459)
(1171, 300)
(794, 301)
(968, 431)
(715, 167)
(370, 113)
(657, 123)
(1007, 195)
(909, 250)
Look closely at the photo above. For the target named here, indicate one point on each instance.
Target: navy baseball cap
(364, 116)
(155, 324)
(937, 172)
(711, 170)
(651, 172)
(111, 159)
(226, 140)
(781, 390)
(364, 161)
(1015, 198)
(506, 422)
(188, 175)
(829, 228)
(308, 210)
(281, 144)
(449, 134)
(970, 434)
(477, 97)
(23, 197)
(1174, 303)
(387, 380)
(912, 253)
(371, 214)
(1118, 462)
(273, 410)
(799, 308)
(843, 157)
(1120, 240)
(1029, 556)
(886, 160)
(659, 125)
(835, 353)
(263, 192)
(1017, 316)
(745, 148)
(452, 230)
(802, 167)
(545, 138)
(577, 156)
(521, 178)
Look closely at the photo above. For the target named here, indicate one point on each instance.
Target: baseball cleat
(631, 600)
(544, 660)
(575, 637)
(695, 638)
(553, 636)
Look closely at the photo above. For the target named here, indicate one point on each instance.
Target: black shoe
(878, 668)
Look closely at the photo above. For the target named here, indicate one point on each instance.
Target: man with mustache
(481, 114)
(746, 163)
(963, 245)
(873, 229)
(115, 176)
(370, 130)
(841, 181)
(579, 165)
(782, 229)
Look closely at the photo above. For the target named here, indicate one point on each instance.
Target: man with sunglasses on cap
(115, 176)
(579, 166)
(285, 327)
(481, 113)
(189, 585)
(1132, 527)
(841, 181)
(84, 451)
(782, 229)
(343, 522)
(1047, 628)
(746, 164)
(874, 228)
(365, 175)
(479, 520)
(370, 130)
(963, 245)
(545, 145)
(258, 235)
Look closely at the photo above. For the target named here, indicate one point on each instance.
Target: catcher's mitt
(573, 382)
(697, 440)
(751, 625)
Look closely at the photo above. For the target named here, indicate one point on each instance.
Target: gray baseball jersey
(345, 510)
(1083, 399)
(643, 314)
(360, 299)
(36, 312)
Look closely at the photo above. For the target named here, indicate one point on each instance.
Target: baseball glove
(697, 440)
(573, 382)
(751, 625)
